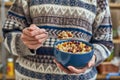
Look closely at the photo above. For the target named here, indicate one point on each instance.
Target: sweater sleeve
(17, 19)
(102, 32)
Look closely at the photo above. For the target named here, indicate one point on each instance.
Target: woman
(32, 27)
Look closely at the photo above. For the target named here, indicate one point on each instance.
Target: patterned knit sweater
(88, 20)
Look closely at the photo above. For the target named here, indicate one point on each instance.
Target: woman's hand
(33, 37)
(73, 70)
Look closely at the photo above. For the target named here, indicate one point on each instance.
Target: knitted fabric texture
(87, 20)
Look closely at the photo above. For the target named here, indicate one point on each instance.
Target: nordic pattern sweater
(88, 20)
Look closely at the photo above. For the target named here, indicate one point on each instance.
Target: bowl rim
(60, 41)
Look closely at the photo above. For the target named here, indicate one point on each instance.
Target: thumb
(32, 27)
(90, 64)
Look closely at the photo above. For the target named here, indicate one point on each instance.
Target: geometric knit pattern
(48, 71)
(88, 20)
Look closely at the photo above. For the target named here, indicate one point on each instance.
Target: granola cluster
(65, 35)
(75, 47)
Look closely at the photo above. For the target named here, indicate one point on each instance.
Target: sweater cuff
(16, 46)
(22, 49)
(100, 54)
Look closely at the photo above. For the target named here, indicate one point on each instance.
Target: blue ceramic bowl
(71, 59)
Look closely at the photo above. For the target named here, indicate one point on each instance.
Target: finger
(26, 37)
(92, 62)
(42, 40)
(27, 32)
(77, 71)
(61, 67)
(31, 42)
(33, 27)
(41, 36)
(37, 32)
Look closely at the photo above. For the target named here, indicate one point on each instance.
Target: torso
(76, 16)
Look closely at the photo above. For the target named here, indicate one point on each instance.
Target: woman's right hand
(33, 37)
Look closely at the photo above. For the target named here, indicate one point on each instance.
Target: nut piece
(74, 47)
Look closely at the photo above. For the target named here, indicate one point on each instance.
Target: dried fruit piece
(74, 47)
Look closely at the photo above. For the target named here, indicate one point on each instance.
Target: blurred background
(110, 65)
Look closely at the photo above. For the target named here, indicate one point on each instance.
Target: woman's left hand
(73, 70)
